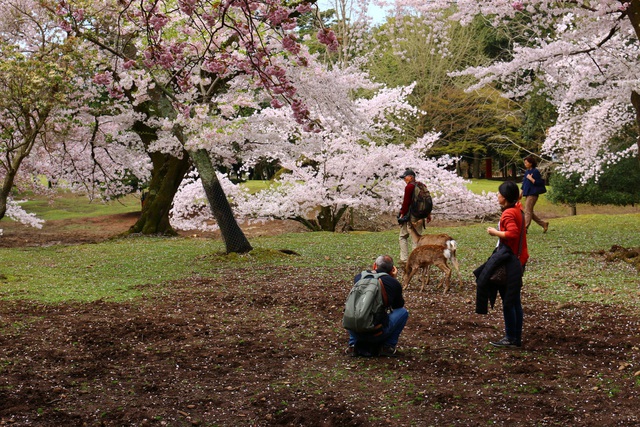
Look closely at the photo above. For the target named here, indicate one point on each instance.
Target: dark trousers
(513, 317)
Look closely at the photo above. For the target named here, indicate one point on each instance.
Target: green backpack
(366, 306)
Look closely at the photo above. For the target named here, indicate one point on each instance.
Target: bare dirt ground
(245, 351)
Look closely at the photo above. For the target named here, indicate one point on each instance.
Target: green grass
(479, 186)
(562, 268)
(255, 186)
(69, 206)
(110, 270)
(547, 208)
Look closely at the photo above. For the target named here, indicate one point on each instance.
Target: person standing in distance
(532, 187)
(404, 216)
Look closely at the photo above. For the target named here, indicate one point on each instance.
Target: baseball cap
(408, 172)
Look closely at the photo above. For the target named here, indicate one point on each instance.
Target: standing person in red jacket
(511, 253)
(405, 216)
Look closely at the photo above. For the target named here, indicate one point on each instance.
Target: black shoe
(388, 351)
(366, 349)
(506, 343)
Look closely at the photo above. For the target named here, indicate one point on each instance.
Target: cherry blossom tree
(91, 151)
(193, 68)
(586, 55)
(34, 79)
(352, 27)
(53, 128)
(347, 164)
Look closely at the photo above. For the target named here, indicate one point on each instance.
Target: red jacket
(512, 222)
(408, 198)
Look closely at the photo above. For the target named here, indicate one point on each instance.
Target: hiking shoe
(388, 351)
(350, 351)
(505, 343)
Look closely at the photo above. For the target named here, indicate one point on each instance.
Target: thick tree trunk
(166, 176)
(7, 184)
(328, 220)
(234, 239)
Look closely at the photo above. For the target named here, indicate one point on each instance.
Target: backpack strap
(385, 298)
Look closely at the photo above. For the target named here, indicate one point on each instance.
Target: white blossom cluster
(585, 52)
(343, 165)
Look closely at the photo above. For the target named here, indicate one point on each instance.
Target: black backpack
(422, 203)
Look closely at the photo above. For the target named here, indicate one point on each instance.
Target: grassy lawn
(563, 264)
(548, 209)
(562, 268)
(69, 206)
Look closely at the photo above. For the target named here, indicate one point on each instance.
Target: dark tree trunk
(9, 177)
(5, 190)
(326, 220)
(166, 176)
(234, 239)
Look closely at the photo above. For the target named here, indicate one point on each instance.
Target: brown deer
(435, 239)
(424, 257)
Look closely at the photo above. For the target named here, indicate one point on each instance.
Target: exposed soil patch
(236, 351)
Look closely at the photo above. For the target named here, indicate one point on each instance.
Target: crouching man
(374, 312)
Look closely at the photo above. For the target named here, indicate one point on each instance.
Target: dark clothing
(533, 188)
(392, 287)
(408, 198)
(513, 319)
(487, 291)
(395, 321)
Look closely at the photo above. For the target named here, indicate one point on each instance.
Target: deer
(435, 239)
(424, 257)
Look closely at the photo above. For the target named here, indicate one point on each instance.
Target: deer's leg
(446, 280)
(426, 272)
(456, 266)
(409, 272)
